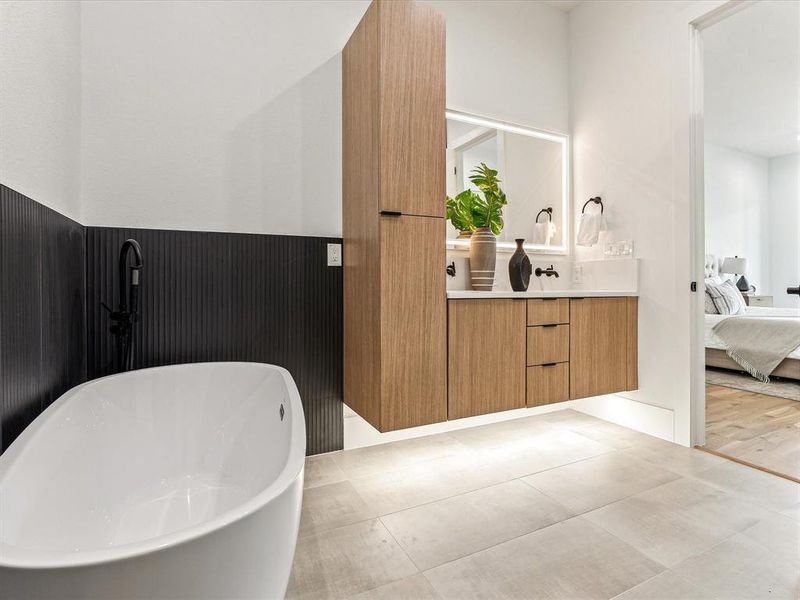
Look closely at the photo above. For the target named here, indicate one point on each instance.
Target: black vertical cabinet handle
(793, 290)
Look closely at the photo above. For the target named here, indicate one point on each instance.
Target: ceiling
(752, 79)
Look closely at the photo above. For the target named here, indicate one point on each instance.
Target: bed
(715, 348)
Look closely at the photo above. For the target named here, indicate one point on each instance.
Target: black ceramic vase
(519, 268)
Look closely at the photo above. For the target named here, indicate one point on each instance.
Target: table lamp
(737, 266)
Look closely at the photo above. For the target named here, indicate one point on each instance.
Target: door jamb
(696, 207)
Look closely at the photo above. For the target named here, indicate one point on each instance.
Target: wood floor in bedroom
(755, 428)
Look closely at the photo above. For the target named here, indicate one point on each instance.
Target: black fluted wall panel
(42, 310)
(228, 296)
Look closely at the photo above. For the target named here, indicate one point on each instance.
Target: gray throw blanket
(758, 345)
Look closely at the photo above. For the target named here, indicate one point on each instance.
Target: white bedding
(759, 312)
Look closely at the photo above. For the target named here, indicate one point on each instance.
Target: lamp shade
(734, 265)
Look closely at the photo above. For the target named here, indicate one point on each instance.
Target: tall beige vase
(482, 259)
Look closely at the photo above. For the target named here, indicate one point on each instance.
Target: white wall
(227, 116)
(630, 113)
(737, 214)
(40, 102)
(507, 60)
(220, 116)
(784, 236)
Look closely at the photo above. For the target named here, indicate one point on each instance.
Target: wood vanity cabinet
(548, 351)
(603, 345)
(486, 356)
(393, 155)
(506, 353)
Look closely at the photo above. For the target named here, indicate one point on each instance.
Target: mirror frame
(560, 138)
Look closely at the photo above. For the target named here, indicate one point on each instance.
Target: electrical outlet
(577, 274)
(618, 249)
(334, 255)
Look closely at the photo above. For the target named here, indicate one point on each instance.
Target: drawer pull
(550, 325)
(549, 364)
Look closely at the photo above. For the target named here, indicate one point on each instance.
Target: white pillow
(714, 279)
(726, 297)
(710, 308)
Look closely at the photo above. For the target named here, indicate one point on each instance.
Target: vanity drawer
(548, 344)
(548, 384)
(548, 311)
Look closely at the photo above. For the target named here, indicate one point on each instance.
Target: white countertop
(471, 294)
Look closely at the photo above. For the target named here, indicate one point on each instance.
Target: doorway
(746, 388)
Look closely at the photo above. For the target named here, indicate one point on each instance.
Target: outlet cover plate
(334, 255)
(577, 274)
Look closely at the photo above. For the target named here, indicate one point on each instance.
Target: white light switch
(334, 255)
(577, 274)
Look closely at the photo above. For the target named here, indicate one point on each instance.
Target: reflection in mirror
(532, 166)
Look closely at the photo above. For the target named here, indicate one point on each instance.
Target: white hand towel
(543, 233)
(589, 228)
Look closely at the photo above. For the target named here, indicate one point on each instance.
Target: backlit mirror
(533, 169)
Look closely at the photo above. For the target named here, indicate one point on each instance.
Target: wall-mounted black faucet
(125, 317)
(549, 272)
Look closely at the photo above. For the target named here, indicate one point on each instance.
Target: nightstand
(752, 300)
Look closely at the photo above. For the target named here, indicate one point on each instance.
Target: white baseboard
(649, 419)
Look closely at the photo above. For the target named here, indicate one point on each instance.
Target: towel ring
(596, 200)
(547, 210)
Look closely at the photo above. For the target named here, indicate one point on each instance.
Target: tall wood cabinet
(395, 345)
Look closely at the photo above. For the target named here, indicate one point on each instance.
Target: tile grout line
(714, 545)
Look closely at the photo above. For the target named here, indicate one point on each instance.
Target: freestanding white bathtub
(174, 482)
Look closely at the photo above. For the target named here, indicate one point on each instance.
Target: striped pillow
(726, 297)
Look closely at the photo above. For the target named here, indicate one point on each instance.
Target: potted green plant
(487, 213)
(461, 212)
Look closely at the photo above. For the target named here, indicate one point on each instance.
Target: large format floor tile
(545, 451)
(740, 568)
(343, 562)
(570, 419)
(442, 531)
(751, 484)
(330, 506)
(415, 587)
(595, 482)
(395, 455)
(666, 586)
(488, 512)
(431, 480)
(780, 535)
(677, 520)
(573, 559)
(681, 460)
(503, 433)
(322, 470)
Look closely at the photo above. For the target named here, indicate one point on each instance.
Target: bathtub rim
(15, 557)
